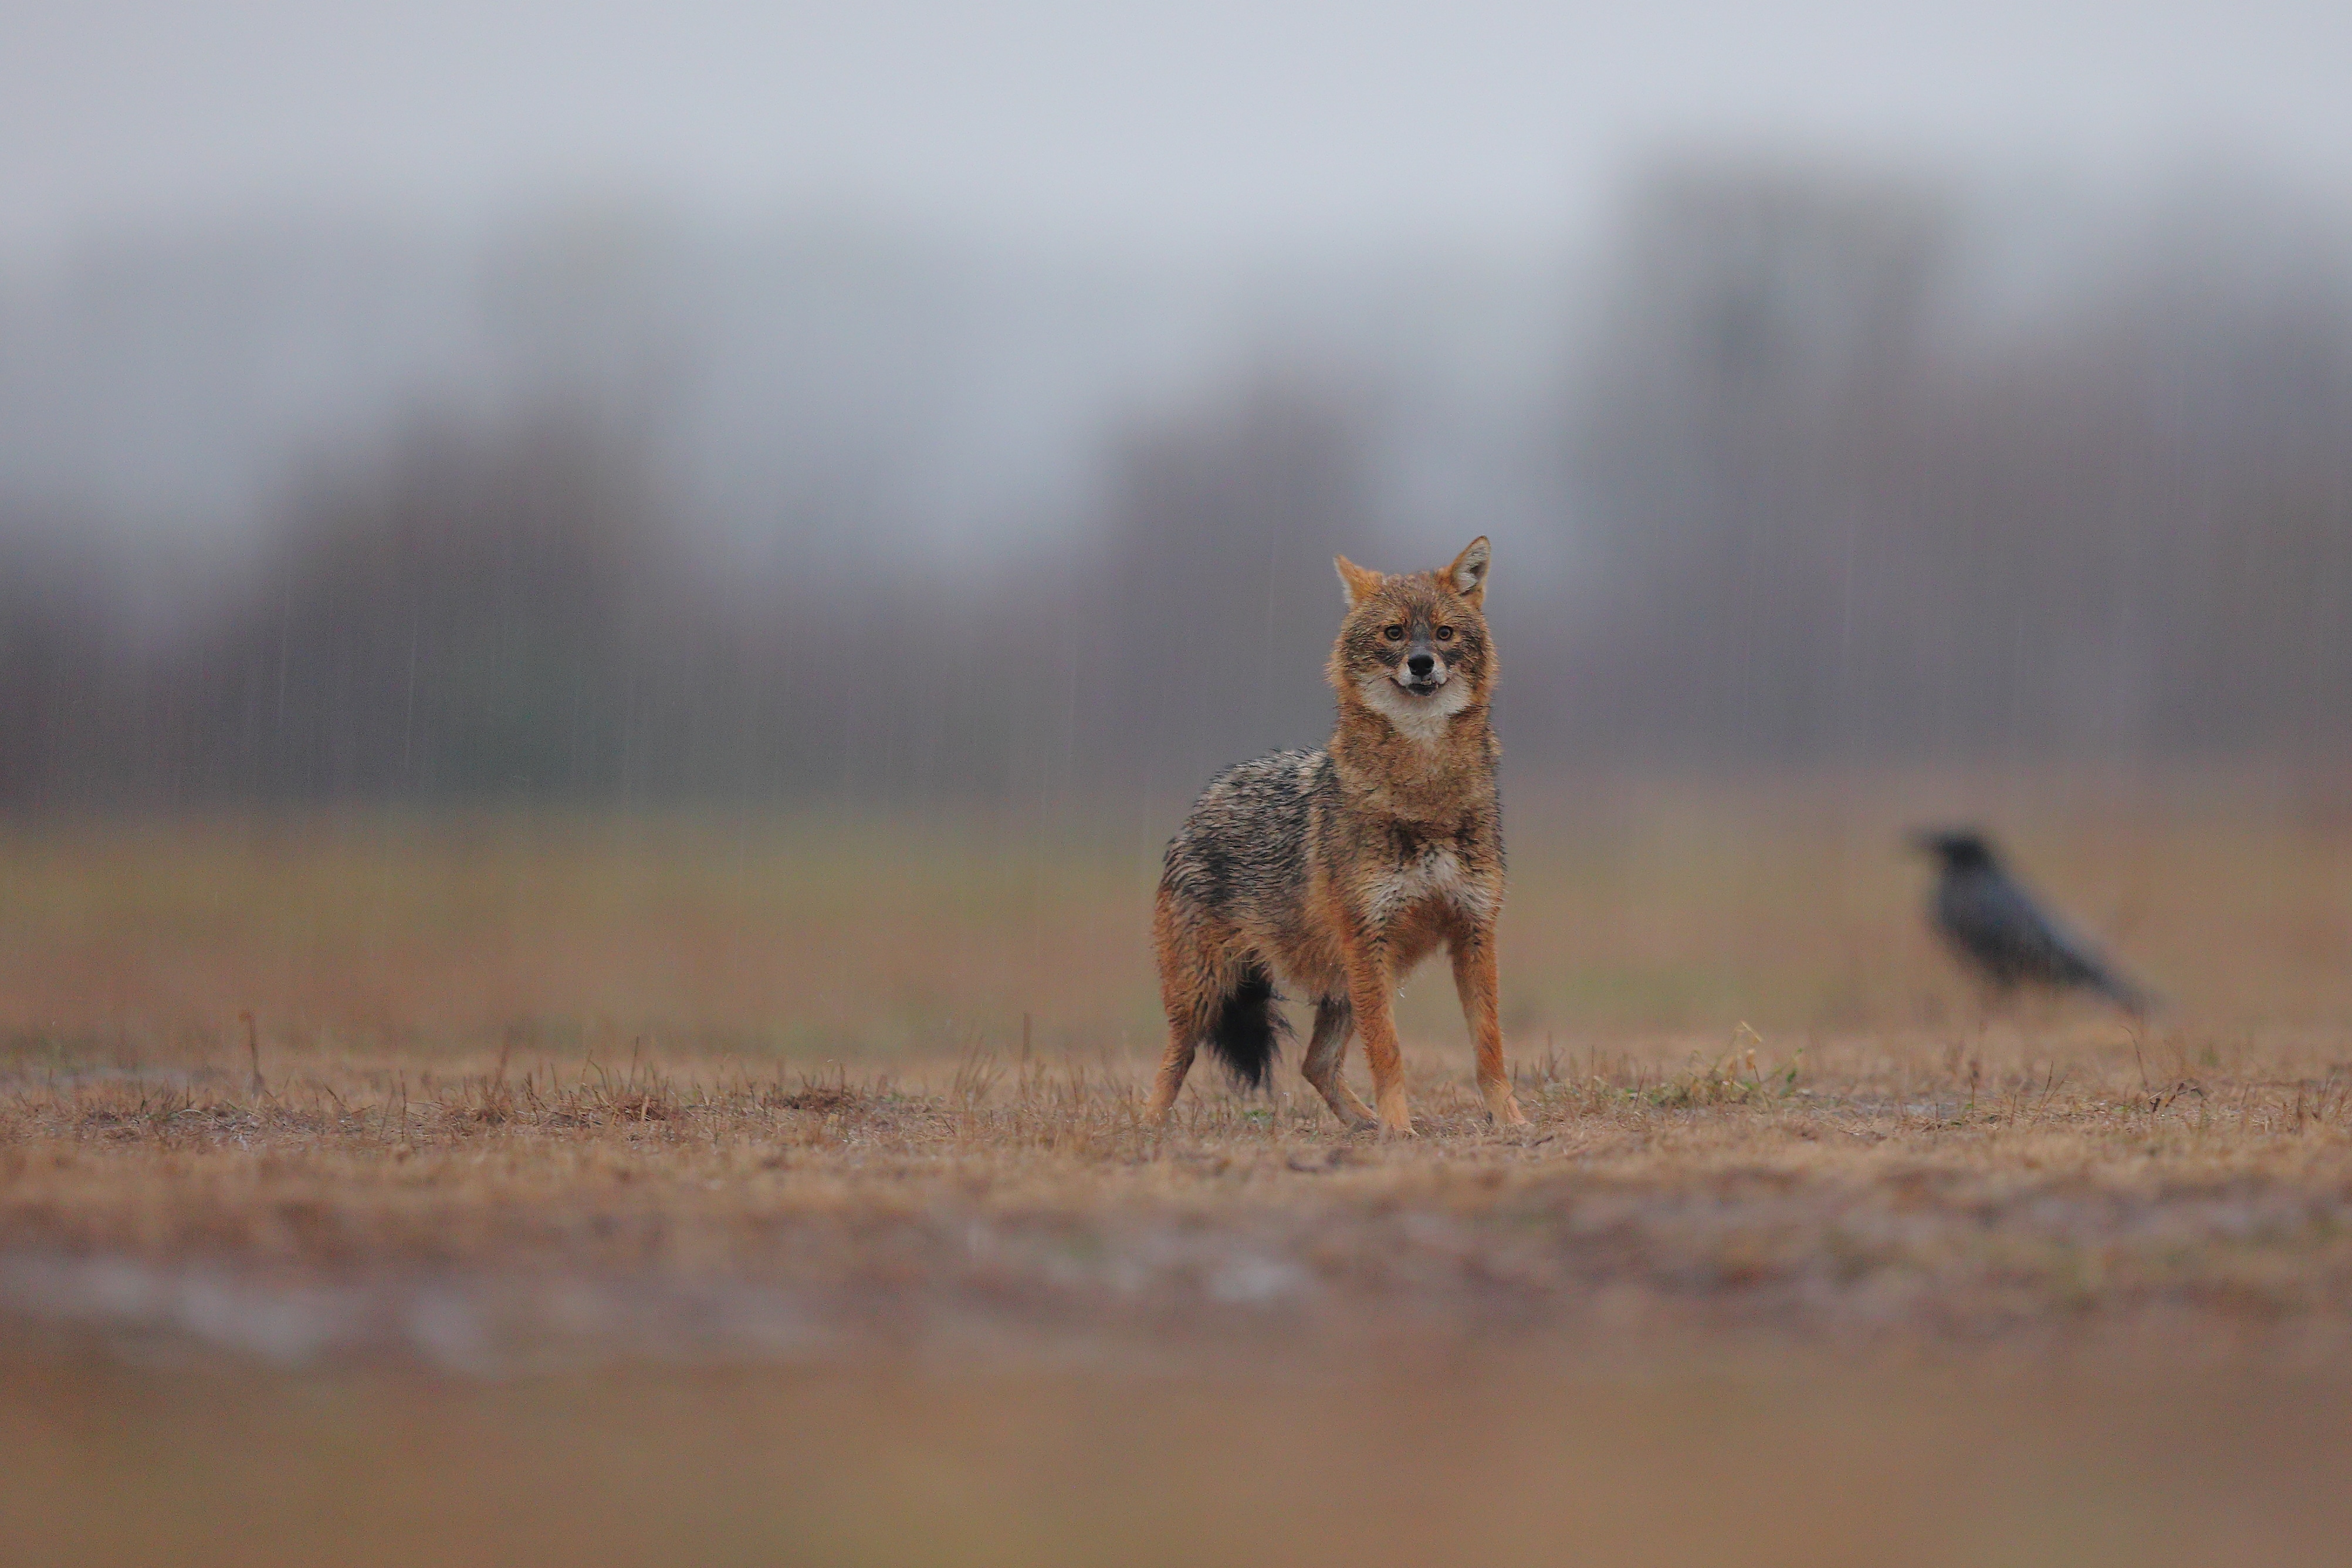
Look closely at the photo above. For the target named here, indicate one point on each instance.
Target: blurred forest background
(1792, 463)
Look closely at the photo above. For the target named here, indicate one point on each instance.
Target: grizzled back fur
(1241, 857)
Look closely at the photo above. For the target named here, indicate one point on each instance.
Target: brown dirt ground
(684, 1191)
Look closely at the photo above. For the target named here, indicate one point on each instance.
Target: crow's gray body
(1998, 930)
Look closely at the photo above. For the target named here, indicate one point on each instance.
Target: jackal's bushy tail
(1247, 1032)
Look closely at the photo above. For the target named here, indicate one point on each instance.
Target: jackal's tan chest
(1429, 880)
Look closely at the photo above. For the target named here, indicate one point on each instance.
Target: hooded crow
(1996, 928)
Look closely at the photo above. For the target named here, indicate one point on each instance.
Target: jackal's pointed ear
(1468, 572)
(1362, 582)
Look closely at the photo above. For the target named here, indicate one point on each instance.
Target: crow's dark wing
(1997, 927)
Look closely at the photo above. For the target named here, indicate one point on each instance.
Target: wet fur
(1336, 872)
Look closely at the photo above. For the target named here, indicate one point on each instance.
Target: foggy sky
(1217, 127)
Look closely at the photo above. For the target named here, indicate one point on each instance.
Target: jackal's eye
(1446, 634)
(1393, 634)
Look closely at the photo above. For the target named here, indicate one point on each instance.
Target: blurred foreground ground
(1806, 1464)
(688, 1190)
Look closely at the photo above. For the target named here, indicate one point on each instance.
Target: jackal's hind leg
(1173, 1066)
(1327, 1055)
(1188, 988)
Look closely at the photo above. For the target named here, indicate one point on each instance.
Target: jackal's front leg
(1476, 982)
(1371, 993)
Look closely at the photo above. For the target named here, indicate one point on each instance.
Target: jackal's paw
(1510, 1115)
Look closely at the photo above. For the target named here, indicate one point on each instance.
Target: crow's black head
(1960, 849)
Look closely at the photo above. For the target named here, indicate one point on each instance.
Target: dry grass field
(684, 1189)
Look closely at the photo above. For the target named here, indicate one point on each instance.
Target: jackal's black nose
(1420, 664)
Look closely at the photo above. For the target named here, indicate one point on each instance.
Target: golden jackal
(1337, 870)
